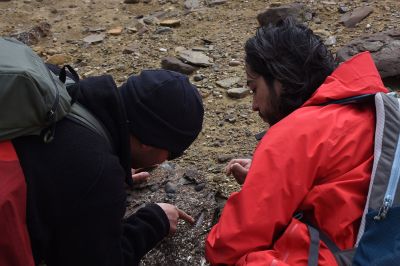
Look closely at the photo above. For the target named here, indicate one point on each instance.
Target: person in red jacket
(315, 159)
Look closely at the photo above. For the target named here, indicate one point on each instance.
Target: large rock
(352, 18)
(273, 14)
(384, 48)
(34, 34)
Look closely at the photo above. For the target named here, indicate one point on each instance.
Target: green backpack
(33, 99)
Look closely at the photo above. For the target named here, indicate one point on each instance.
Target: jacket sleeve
(142, 231)
(282, 171)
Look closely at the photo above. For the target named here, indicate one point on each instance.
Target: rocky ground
(112, 37)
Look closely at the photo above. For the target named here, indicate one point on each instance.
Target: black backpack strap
(354, 99)
(73, 89)
(313, 251)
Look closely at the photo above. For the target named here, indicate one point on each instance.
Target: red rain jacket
(318, 160)
(15, 245)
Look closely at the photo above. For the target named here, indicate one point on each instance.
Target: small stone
(191, 4)
(234, 63)
(132, 29)
(198, 77)
(230, 118)
(331, 40)
(170, 22)
(115, 31)
(150, 20)
(200, 187)
(170, 187)
(238, 93)
(343, 9)
(229, 82)
(153, 188)
(161, 30)
(163, 50)
(131, 1)
(130, 49)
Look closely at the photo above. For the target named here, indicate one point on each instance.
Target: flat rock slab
(384, 48)
(228, 83)
(94, 38)
(351, 19)
(195, 58)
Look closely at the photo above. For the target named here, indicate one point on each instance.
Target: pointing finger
(184, 216)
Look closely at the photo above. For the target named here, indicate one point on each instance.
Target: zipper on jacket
(392, 185)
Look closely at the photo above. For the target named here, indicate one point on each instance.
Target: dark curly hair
(293, 55)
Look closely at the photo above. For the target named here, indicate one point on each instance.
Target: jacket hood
(356, 76)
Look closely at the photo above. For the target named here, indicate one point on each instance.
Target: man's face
(265, 102)
(144, 156)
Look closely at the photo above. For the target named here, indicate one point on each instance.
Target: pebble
(170, 187)
(200, 187)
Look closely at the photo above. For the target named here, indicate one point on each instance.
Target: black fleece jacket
(76, 190)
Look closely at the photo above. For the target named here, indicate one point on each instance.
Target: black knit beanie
(164, 110)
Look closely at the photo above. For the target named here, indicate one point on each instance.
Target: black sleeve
(142, 231)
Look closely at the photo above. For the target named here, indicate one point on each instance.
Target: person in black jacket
(76, 184)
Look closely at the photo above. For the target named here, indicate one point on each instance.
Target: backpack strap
(386, 168)
(84, 117)
(313, 250)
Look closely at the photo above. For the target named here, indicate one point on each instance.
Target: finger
(184, 216)
(239, 172)
(228, 167)
(140, 177)
(228, 170)
(146, 169)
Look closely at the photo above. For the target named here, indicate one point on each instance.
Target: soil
(128, 47)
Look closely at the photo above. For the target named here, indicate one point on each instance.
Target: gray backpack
(33, 99)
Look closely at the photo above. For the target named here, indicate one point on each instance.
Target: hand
(238, 168)
(173, 214)
(139, 177)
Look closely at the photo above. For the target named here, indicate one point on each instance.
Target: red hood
(356, 76)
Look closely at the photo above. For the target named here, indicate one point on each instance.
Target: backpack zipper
(392, 186)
